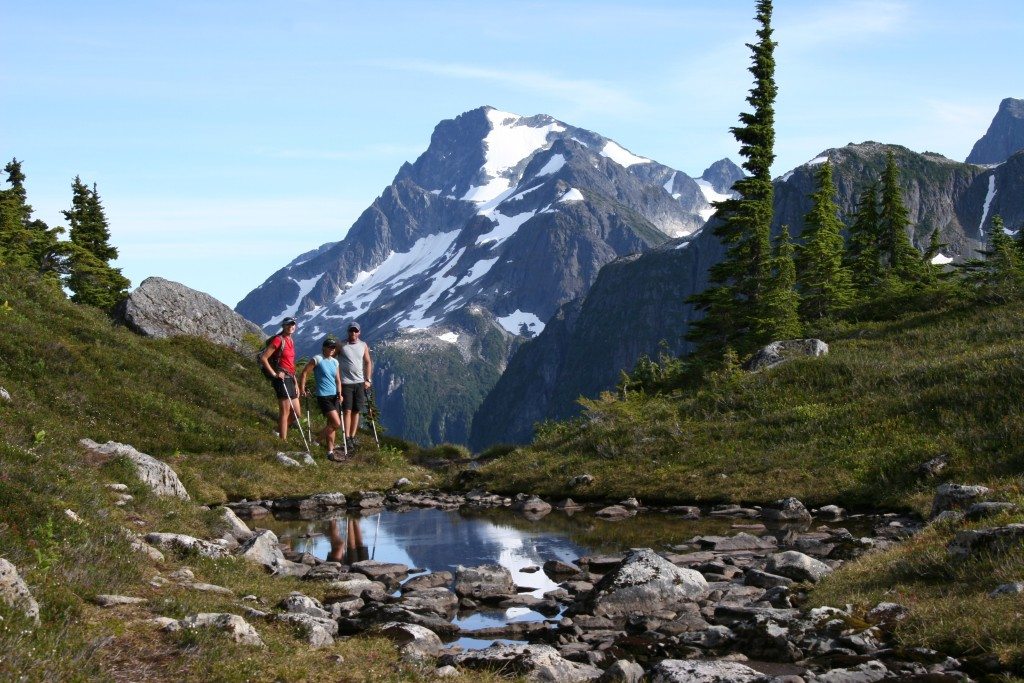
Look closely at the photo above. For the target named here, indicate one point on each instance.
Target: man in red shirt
(278, 360)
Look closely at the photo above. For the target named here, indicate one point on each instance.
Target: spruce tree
(824, 283)
(899, 258)
(91, 279)
(1000, 275)
(932, 271)
(734, 305)
(15, 214)
(781, 300)
(862, 249)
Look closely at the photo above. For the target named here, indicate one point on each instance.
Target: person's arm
(337, 383)
(265, 358)
(302, 377)
(367, 367)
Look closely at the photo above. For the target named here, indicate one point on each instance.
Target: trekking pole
(298, 423)
(373, 424)
(344, 429)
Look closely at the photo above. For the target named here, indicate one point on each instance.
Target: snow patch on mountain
(553, 165)
(505, 228)
(670, 183)
(941, 260)
(817, 161)
(450, 337)
(621, 156)
(711, 195)
(514, 322)
(988, 203)
(305, 286)
(573, 195)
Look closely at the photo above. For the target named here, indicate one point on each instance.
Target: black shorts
(281, 384)
(329, 404)
(353, 397)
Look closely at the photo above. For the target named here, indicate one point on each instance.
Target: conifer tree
(92, 280)
(734, 305)
(931, 271)
(898, 256)
(862, 249)
(27, 242)
(1000, 275)
(15, 214)
(781, 300)
(824, 283)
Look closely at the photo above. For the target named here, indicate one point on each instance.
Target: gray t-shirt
(351, 360)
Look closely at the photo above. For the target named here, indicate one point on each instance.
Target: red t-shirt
(286, 358)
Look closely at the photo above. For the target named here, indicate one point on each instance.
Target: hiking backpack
(274, 357)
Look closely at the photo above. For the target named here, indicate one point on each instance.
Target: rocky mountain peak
(1004, 137)
(722, 174)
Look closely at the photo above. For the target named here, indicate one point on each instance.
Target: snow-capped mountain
(472, 248)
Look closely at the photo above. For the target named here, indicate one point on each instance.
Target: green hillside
(945, 377)
(205, 410)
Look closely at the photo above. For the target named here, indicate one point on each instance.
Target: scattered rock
(235, 626)
(118, 600)
(297, 603)
(558, 568)
(399, 483)
(152, 472)
(614, 512)
(995, 540)
(207, 588)
(947, 518)
(867, 672)
(415, 643)
(832, 513)
(486, 582)
(185, 543)
(686, 511)
(385, 572)
(887, 613)
(287, 461)
(933, 467)
(956, 497)
(438, 600)
(568, 504)
(5, 395)
(73, 516)
(366, 500)
(316, 631)
(630, 504)
(989, 509)
(787, 510)
(779, 352)
(1015, 588)
(797, 566)
(14, 592)
(230, 523)
(262, 549)
(741, 541)
(761, 579)
(644, 583)
(580, 480)
(623, 671)
(432, 580)
(447, 671)
(534, 662)
(701, 671)
(532, 505)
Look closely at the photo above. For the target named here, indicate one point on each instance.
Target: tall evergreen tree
(898, 256)
(734, 305)
(824, 283)
(27, 242)
(932, 271)
(92, 280)
(781, 301)
(862, 249)
(1000, 275)
(15, 214)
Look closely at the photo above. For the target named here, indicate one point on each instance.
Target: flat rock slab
(186, 543)
(534, 662)
(996, 540)
(376, 571)
(797, 566)
(701, 671)
(486, 582)
(741, 541)
(237, 628)
(118, 600)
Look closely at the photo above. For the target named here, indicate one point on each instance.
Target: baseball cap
(330, 341)
(288, 321)
(354, 326)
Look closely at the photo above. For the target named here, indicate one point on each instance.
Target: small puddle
(433, 540)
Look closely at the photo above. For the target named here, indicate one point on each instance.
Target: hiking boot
(350, 442)
(336, 456)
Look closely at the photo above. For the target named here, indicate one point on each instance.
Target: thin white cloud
(840, 23)
(583, 93)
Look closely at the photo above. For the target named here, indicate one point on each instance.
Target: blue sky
(228, 137)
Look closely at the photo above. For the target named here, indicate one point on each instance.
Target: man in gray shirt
(356, 370)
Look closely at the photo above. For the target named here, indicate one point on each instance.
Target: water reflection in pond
(435, 540)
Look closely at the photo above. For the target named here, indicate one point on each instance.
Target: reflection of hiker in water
(348, 550)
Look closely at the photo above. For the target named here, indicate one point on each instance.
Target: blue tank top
(324, 373)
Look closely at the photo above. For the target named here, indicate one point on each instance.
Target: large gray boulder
(956, 497)
(779, 352)
(486, 582)
(797, 566)
(645, 583)
(161, 308)
(415, 643)
(186, 543)
(156, 474)
(15, 593)
(262, 549)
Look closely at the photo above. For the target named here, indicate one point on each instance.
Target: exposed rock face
(645, 583)
(1004, 137)
(15, 593)
(778, 352)
(162, 308)
(154, 473)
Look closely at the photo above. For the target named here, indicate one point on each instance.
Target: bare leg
(333, 422)
(351, 423)
(284, 407)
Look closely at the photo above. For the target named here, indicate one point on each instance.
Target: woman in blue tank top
(327, 377)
